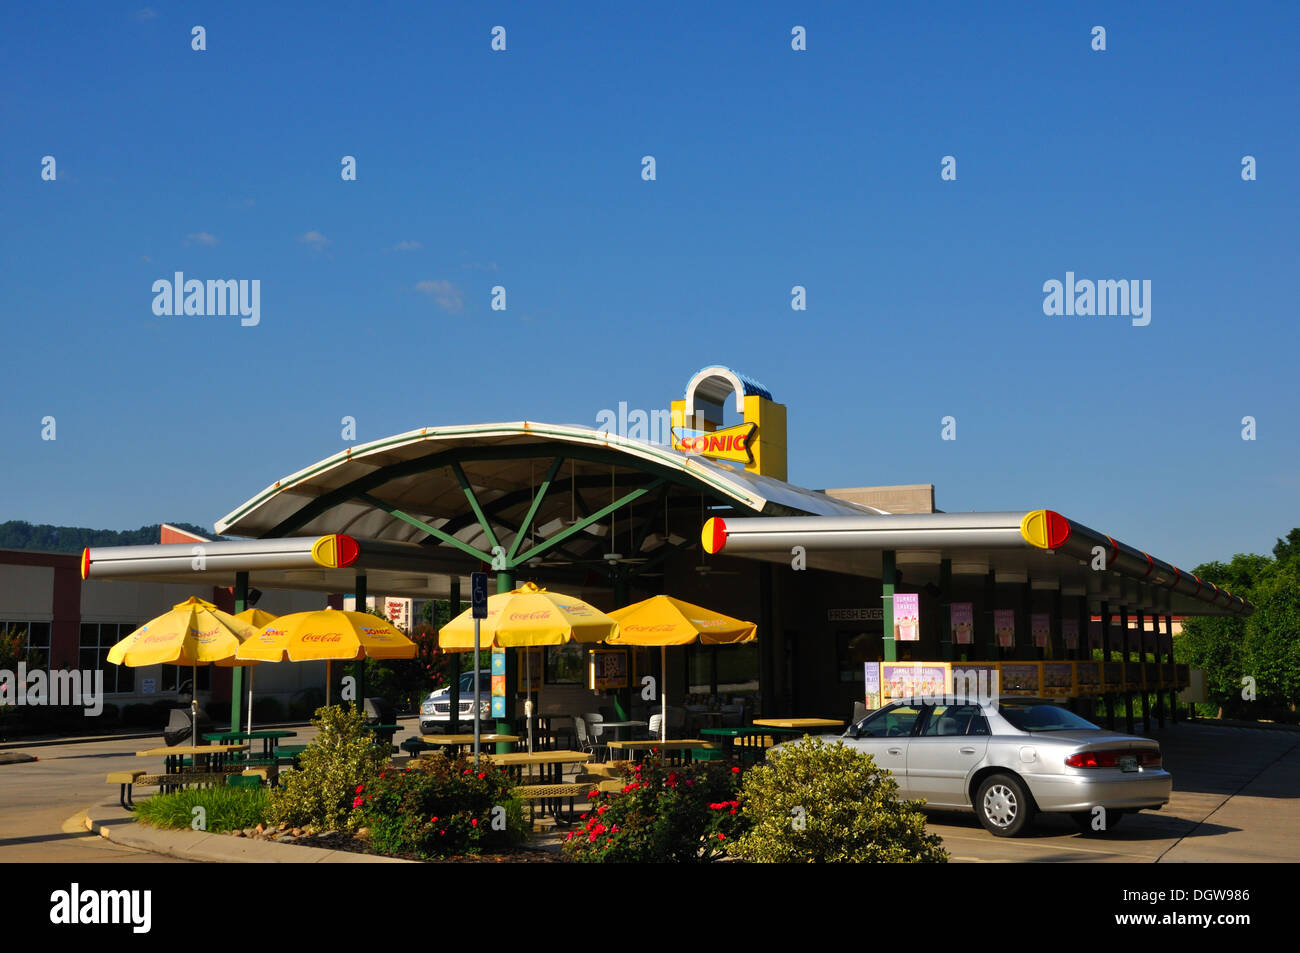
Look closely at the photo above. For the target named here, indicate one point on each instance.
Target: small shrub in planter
(814, 802)
(321, 792)
(662, 815)
(440, 807)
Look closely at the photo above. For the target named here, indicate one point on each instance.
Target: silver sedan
(1009, 759)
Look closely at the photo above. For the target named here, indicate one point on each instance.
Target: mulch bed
(342, 840)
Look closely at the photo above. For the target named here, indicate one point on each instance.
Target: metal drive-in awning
(329, 563)
(1041, 545)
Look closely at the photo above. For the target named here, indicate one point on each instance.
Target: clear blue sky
(775, 168)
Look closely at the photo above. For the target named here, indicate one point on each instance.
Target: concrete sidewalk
(116, 825)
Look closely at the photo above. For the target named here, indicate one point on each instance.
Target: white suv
(435, 710)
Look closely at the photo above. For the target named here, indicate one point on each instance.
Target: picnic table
(799, 722)
(620, 727)
(205, 760)
(551, 762)
(681, 747)
(752, 740)
(270, 739)
(462, 741)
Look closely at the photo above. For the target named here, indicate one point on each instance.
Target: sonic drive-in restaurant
(834, 579)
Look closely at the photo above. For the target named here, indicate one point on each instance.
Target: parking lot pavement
(1236, 798)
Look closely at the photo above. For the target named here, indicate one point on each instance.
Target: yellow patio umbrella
(526, 617)
(259, 619)
(665, 621)
(327, 635)
(193, 633)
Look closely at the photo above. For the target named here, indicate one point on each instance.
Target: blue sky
(775, 168)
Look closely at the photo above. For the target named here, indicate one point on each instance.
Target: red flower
(474, 822)
(591, 839)
(722, 837)
(594, 793)
(735, 771)
(357, 802)
(360, 788)
(482, 775)
(442, 833)
(570, 837)
(433, 820)
(602, 809)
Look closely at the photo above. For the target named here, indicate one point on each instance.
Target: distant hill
(19, 534)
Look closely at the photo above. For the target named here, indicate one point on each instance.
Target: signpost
(478, 592)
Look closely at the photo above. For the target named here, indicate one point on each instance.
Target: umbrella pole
(194, 704)
(327, 683)
(528, 676)
(250, 699)
(663, 693)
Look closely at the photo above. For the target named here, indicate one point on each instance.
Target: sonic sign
(758, 443)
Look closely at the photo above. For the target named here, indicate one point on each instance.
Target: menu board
(607, 669)
(1040, 626)
(1004, 624)
(1070, 633)
(1021, 678)
(1058, 679)
(962, 620)
(498, 683)
(1087, 678)
(980, 680)
(907, 616)
(904, 679)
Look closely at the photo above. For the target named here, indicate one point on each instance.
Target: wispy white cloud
(201, 238)
(314, 238)
(407, 246)
(446, 294)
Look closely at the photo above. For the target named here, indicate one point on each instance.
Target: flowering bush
(662, 815)
(814, 802)
(439, 807)
(321, 792)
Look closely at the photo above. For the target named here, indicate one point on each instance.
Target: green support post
(237, 675)
(888, 574)
(506, 583)
(359, 666)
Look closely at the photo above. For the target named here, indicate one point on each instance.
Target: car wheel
(1003, 805)
(1084, 820)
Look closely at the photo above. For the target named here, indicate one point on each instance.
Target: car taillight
(1110, 759)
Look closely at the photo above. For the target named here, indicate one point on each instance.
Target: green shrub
(662, 815)
(228, 809)
(814, 802)
(439, 808)
(321, 791)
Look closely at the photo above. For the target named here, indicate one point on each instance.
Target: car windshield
(1030, 717)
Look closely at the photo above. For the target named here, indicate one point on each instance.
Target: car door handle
(967, 750)
(895, 750)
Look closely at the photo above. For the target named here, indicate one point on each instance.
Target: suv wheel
(1003, 805)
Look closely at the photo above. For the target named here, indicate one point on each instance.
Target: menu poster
(962, 616)
(1070, 633)
(1020, 678)
(871, 678)
(1040, 624)
(1058, 679)
(1004, 624)
(1094, 634)
(608, 669)
(904, 679)
(498, 706)
(498, 661)
(907, 616)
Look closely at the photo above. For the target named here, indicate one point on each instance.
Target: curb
(215, 848)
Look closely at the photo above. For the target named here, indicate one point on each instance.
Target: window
(565, 664)
(33, 639)
(953, 720)
(96, 639)
(896, 721)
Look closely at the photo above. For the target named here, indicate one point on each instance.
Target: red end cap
(85, 563)
(1058, 529)
(349, 550)
(714, 535)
